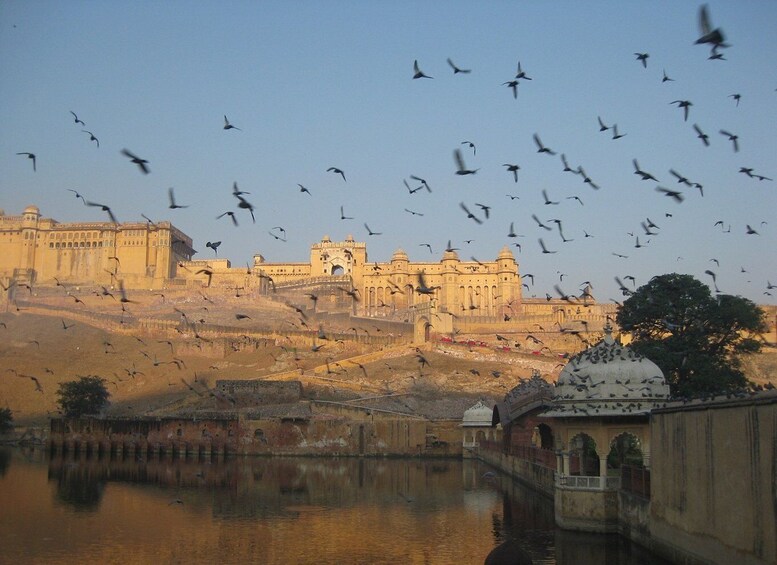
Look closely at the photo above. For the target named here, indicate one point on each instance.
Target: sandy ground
(164, 371)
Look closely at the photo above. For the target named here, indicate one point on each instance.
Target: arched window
(625, 449)
(337, 270)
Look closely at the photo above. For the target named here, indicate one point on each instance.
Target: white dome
(609, 380)
(479, 415)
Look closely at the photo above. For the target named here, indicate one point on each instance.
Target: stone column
(603, 469)
(565, 463)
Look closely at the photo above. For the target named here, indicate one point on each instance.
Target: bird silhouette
(246, 205)
(461, 167)
(141, 163)
(92, 137)
(685, 105)
(227, 125)
(370, 232)
(666, 78)
(701, 135)
(645, 175)
(456, 70)
(540, 147)
(733, 138)
(214, 245)
(231, 216)
(542, 246)
(643, 57)
(470, 215)
(520, 74)
(715, 36)
(171, 196)
(513, 169)
(104, 209)
(677, 196)
(337, 171)
(32, 157)
(423, 182)
(417, 72)
(76, 120)
(343, 216)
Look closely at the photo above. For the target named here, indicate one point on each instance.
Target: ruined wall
(254, 392)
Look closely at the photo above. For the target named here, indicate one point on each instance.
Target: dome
(450, 256)
(608, 379)
(32, 210)
(478, 415)
(399, 255)
(505, 253)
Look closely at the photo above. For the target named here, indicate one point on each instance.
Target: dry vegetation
(163, 371)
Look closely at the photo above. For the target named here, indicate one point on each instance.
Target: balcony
(583, 482)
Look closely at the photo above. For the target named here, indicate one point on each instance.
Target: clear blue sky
(314, 85)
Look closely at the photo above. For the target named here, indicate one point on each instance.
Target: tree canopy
(695, 338)
(6, 420)
(87, 395)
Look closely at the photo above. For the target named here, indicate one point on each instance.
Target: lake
(75, 509)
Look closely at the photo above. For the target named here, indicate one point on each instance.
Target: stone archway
(583, 457)
(422, 330)
(544, 437)
(337, 270)
(625, 449)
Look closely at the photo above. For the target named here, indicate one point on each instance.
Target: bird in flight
(171, 196)
(343, 216)
(92, 137)
(76, 120)
(547, 200)
(544, 249)
(472, 146)
(303, 189)
(246, 205)
(417, 72)
(644, 174)
(520, 74)
(214, 245)
(514, 85)
(677, 196)
(680, 178)
(685, 105)
(231, 216)
(470, 215)
(336, 171)
(643, 57)
(422, 181)
(666, 78)
(540, 147)
(456, 70)
(602, 125)
(227, 125)
(733, 138)
(708, 35)
(486, 209)
(32, 157)
(461, 167)
(512, 169)
(142, 163)
(701, 135)
(539, 223)
(370, 232)
(236, 192)
(615, 134)
(104, 209)
(736, 97)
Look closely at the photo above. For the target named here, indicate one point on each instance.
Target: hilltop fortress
(470, 296)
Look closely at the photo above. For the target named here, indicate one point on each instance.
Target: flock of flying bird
(480, 212)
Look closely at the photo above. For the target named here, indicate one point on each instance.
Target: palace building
(338, 277)
(39, 250)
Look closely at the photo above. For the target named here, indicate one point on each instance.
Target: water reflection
(280, 510)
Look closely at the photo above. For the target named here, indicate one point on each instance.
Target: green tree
(696, 339)
(6, 420)
(87, 395)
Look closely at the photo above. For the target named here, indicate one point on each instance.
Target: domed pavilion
(600, 421)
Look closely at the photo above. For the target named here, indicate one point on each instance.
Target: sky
(313, 85)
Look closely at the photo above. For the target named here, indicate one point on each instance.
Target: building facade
(39, 250)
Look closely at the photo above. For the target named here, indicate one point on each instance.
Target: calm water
(279, 510)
